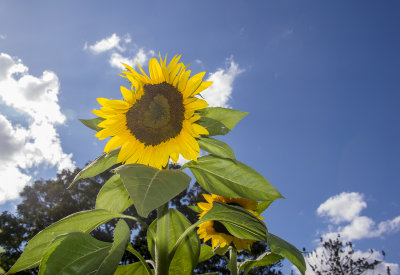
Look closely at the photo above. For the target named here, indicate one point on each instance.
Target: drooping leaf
(92, 123)
(206, 252)
(97, 166)
(113, 196)
(231, 178)
(121, 239)
(216, 147)
(188, 252)
(237, 220)
(285, 249)
(75, 253)
(228, 117)
(134, 269)
(84, 221)
(264, 259)
(263, 206)
(150, 187)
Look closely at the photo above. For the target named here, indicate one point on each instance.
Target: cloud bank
(32, 139)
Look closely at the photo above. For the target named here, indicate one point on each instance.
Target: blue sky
(319, 78)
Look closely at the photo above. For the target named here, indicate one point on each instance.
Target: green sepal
(285, 249)
(231, 178)
(150, 187)
(92, 123)
(206, 252)
(99, 165)
(195, 208)
(263, 206)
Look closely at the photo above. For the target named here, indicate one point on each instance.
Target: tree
(335, 258)
(48, 201)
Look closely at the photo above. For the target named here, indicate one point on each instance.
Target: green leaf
(134, 269)
(228, 117)
(264, 259)
(84, 221)
(113, 196)
(75, 253)
(151, 235)
(92, 123)
(206, 252)
(263, 206)
(150, 187)
(216, 147)
(231, 178)
(285, 249)
(214, 127)
(121, 239)
(187, 255)
(97, 166)
(195, 208)
(237, 220)
(221, 250)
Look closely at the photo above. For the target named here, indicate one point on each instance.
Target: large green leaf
(285, 249)
(237, 220)
(121, 240)
(214, 127)
(79, 253)
(97, 166)
(92, 123)
(150, 187)
(84, 221)
(264, 259)
(188, 252)
(227, 117)
(134, 269)
(231, 178)
(216, 147)
(113, 196)
(76, 253)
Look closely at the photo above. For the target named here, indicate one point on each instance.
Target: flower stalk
(161, 241)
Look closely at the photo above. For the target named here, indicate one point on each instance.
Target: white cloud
(3, 36)
(140, 57)
(107, 44)
(220, 91)
(343, 207)
(346, 207)
(38, 143)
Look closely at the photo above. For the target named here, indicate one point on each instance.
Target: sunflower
(156, 120)
(216, 231)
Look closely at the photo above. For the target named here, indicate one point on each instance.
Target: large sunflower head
(156, 120)
(216, 231)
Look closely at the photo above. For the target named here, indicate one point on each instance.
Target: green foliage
(99, 165)
(84, 221)
(288, 251)
(263, 206)
(264, 259)
(220, 121)
(150, 187)
(206, 252)
(92, 123)
(112, 189)
(216, 147)
(231, 178)
(237, 220)
(135, 268)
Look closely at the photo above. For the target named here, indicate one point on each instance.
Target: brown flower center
(158, 115)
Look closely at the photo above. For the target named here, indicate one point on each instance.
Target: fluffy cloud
(220, 91)
(116, 46)
(346, 208)
(108, 43)
(343, 207)
(35, 100)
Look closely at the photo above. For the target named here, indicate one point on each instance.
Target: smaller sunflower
(216, 231)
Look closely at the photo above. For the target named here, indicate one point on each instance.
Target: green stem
(233, 261)
(161, 241)
(142, 223)
(141, 259)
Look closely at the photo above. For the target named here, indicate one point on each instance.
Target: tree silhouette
(48, 201)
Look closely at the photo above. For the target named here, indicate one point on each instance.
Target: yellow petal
(127, 94)
(204, 85)
(115, 104)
